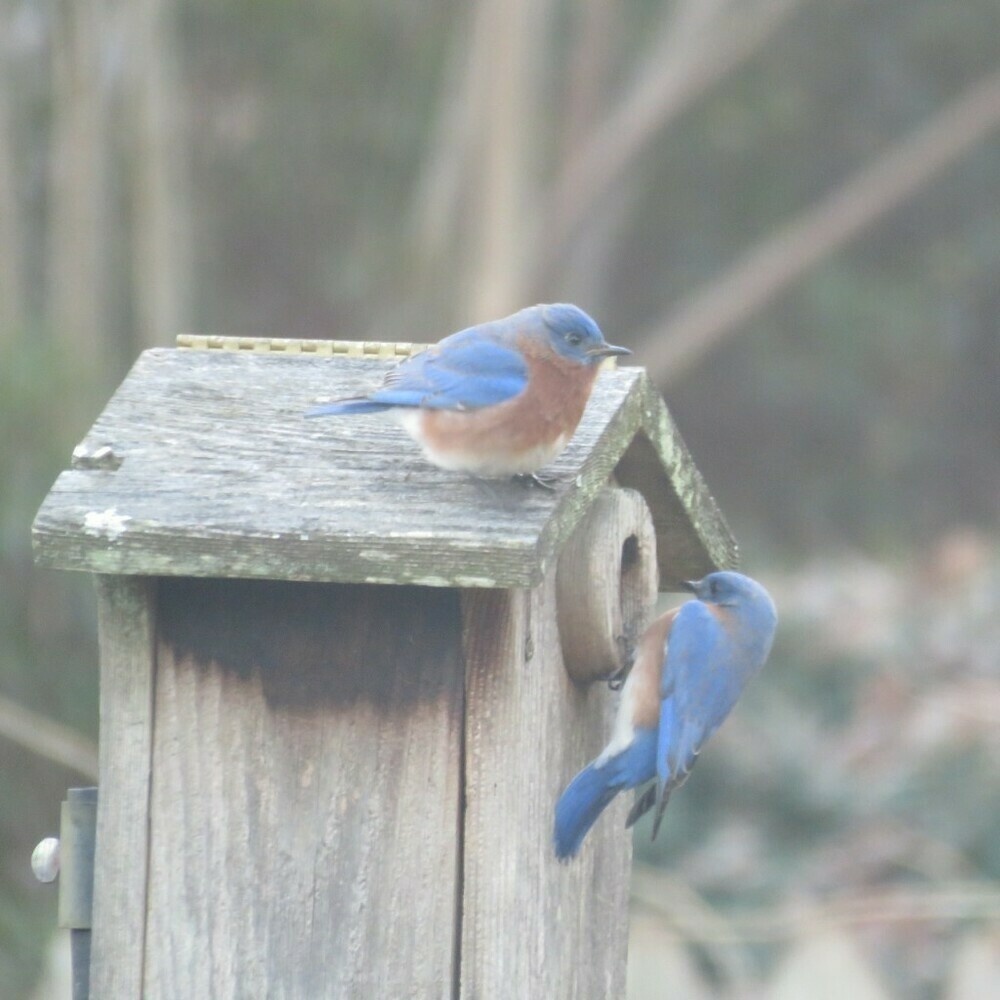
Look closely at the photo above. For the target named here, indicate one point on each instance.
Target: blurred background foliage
(789, 209)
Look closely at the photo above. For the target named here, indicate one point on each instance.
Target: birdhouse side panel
(126, 629)
(305, 794)
(532, 927)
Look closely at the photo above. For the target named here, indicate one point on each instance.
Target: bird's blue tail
(357, 405)
(577, 810)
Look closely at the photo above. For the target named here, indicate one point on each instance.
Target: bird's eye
(713, 588)
(573, 339)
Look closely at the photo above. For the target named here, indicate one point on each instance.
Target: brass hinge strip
(320, 348)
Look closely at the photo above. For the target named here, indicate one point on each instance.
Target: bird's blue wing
(466, 371)
(687, 693)
(709, 683)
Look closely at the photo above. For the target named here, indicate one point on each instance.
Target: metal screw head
(45, 859)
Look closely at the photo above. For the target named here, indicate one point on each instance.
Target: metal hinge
(71, 857)
(279, 345)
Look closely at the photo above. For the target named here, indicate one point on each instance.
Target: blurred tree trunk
(508, 123)
(11, 275)
(160, 222)
(473, 205)
(77, 233)
(594, 45)
(444, 179)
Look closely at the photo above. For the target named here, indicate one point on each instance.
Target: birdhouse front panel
(299, 820)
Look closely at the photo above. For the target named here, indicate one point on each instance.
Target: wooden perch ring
(606, 585)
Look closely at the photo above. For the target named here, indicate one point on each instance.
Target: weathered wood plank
(306, 803)
(202, 464)
(530, 926)
(126, 626)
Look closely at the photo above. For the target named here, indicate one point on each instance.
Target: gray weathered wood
(126, 624)
(202, 464)
(305, 811)
(530, 926)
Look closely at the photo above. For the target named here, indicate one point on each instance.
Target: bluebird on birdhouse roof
(203, 465)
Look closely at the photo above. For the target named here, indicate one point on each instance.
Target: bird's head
(574, 335)
(729, 589)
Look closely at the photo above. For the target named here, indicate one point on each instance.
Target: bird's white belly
(623, 734)
(488, 464)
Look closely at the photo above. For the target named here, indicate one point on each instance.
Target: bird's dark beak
(691, 585)
(608, 351)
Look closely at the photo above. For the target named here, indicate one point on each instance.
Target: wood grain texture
(202, 464)
(606, 585)
(126, 627)
(305, 808)
(530, 926)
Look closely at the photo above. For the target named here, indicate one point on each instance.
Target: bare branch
(715, 312)
(699, 43)
(694, 920)
(55, 742)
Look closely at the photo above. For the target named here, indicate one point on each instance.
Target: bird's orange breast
(521, 434)
(649, 657)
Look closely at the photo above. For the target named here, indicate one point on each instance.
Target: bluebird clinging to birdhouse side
(496, 400)
(691, 666)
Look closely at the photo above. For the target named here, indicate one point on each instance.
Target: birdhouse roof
(202, 464)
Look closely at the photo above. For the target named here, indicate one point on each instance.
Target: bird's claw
(618, 678)
(546, 482)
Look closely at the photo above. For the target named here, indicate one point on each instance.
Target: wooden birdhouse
(341, 689)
